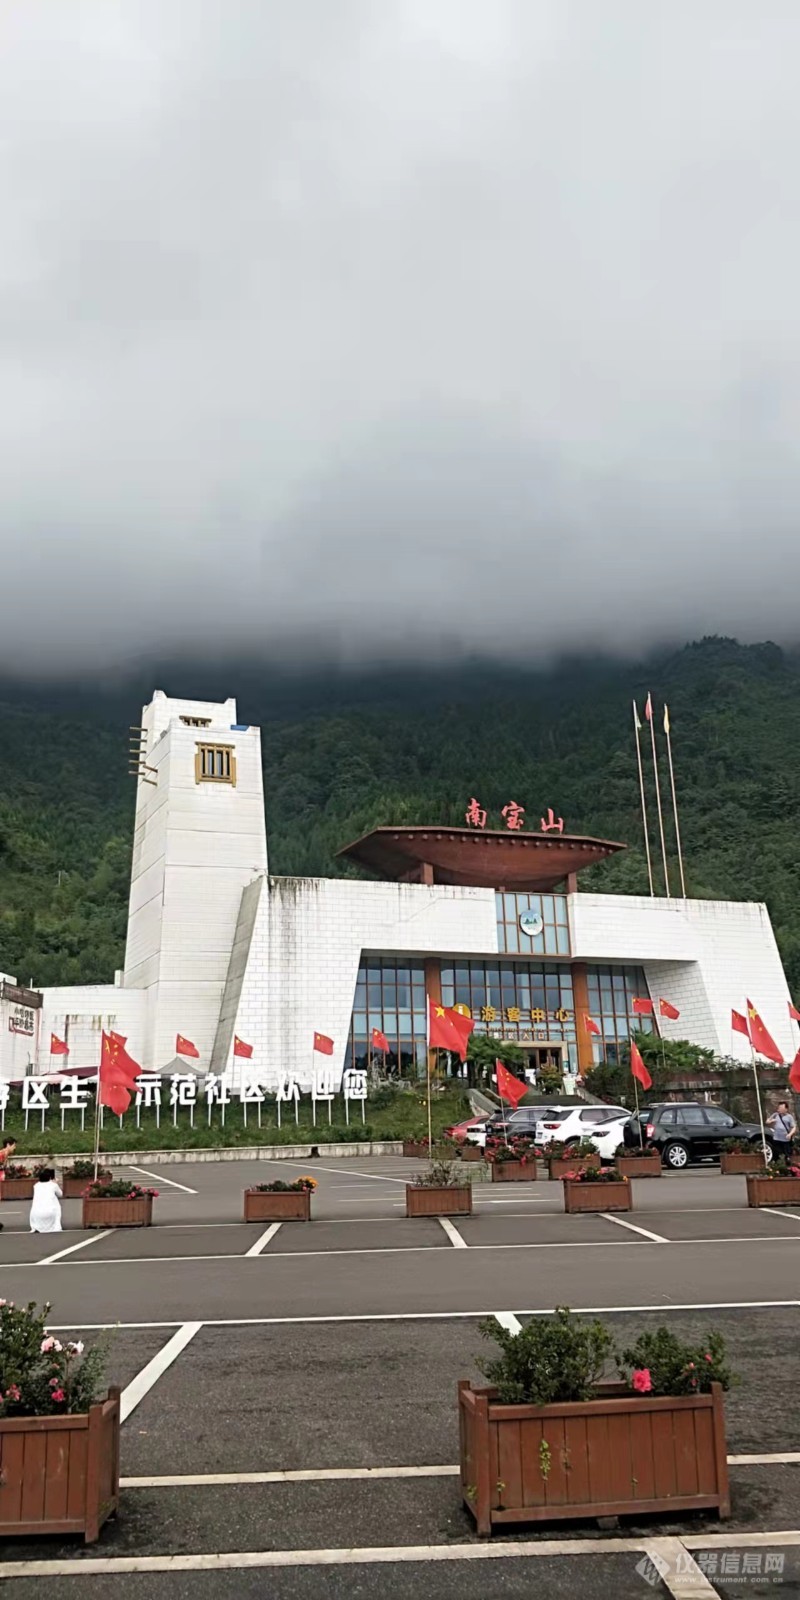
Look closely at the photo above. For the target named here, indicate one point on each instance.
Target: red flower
(642, 1381)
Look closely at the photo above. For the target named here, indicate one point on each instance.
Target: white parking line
(211, 1480)
(158, 1177)
(47, 1261)
(774, 1212)
(679, 1573)
(260, 1244)
(453, 1234)
(508, 1321)
(656, 1306)
(86, 1567)
(199, 1480)
(149, 1375)
(656, 1238)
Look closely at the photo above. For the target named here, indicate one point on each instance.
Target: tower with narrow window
(199, 840)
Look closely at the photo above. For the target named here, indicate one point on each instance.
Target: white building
(490, 920)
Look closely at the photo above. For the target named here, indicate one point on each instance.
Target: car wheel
(768, 1152)
(676, 1156)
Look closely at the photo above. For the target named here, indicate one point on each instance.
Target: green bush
(551, 1359)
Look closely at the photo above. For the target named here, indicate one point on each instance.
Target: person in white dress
(46, 1206)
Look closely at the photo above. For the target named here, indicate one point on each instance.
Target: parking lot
(289, 1393)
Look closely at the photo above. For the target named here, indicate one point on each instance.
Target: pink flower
(642, 1382)
(59, 1396)
(12, 1392)
(709, 1357)
(76, 1349)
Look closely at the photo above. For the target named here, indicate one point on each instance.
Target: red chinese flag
(761, 1040)
(668, 1010)
(118, 1073)
(184, 1047)
(794, 1013)
(642, 1008)
(58, 1047)
(639, 1069)
(508, 1087)
(591, 1026)
(448, 1029)
(242, 1049)
(379, 1041)
(794, 1074)
(739, 1023)
(323, 1044)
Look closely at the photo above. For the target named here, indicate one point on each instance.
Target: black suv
(685, 1131)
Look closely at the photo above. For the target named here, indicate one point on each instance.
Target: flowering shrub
(84, 1169)
(563, 1152)
(595, 1175)
(741, 1147)
(639, 1152)
(564, 1358)
(279, 1187)
(522, 1148)
(781, 1169)
(39, 1375)
(661, 1363)
(118, 1189)
(14, 1169)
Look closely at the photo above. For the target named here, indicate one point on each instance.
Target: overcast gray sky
(360, 326)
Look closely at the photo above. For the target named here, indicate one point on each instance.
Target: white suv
(580, 1122)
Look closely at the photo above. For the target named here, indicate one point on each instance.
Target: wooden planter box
(648, 1166)
(513, 1171)
(445, 1202)
(469, 1152)
(559, 1166)
(60, 1474)
(417, 1149)
(619, 1455)
(597, 1196)
(293, 1205)
(116, 1213)
(773, 1191)
(742, 1161)
(73, 1188)
(17, 1189)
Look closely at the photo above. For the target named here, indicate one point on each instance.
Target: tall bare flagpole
(674, 800)
(648, 711)
(637, 728)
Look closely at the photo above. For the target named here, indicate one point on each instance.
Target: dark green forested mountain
(343, 753)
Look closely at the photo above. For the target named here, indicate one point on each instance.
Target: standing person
(783, 1128)
(7, 1149)
(45, 1207)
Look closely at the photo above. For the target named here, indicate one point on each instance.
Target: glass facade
(390, 995)
(529, 1002)
(532, 924)
(612, 991)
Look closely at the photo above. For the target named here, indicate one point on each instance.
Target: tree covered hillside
(342, 754)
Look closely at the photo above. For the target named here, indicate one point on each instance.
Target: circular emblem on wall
(463, 1010)
(531, 922)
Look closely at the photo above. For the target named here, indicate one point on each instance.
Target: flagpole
(636, 726)
(97, 1122)
(658, 794)
(430, 1133)
(755, 1081)
(636, 1098)
(674, 800)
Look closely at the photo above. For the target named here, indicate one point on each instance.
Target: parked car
(608, 1138)
(524, 1120)
(580, 1122)
(686, 1131)
(459, 1131)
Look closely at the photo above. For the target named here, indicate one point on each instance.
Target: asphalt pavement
(303, 1427)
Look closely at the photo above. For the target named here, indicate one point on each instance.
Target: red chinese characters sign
(513, 815)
